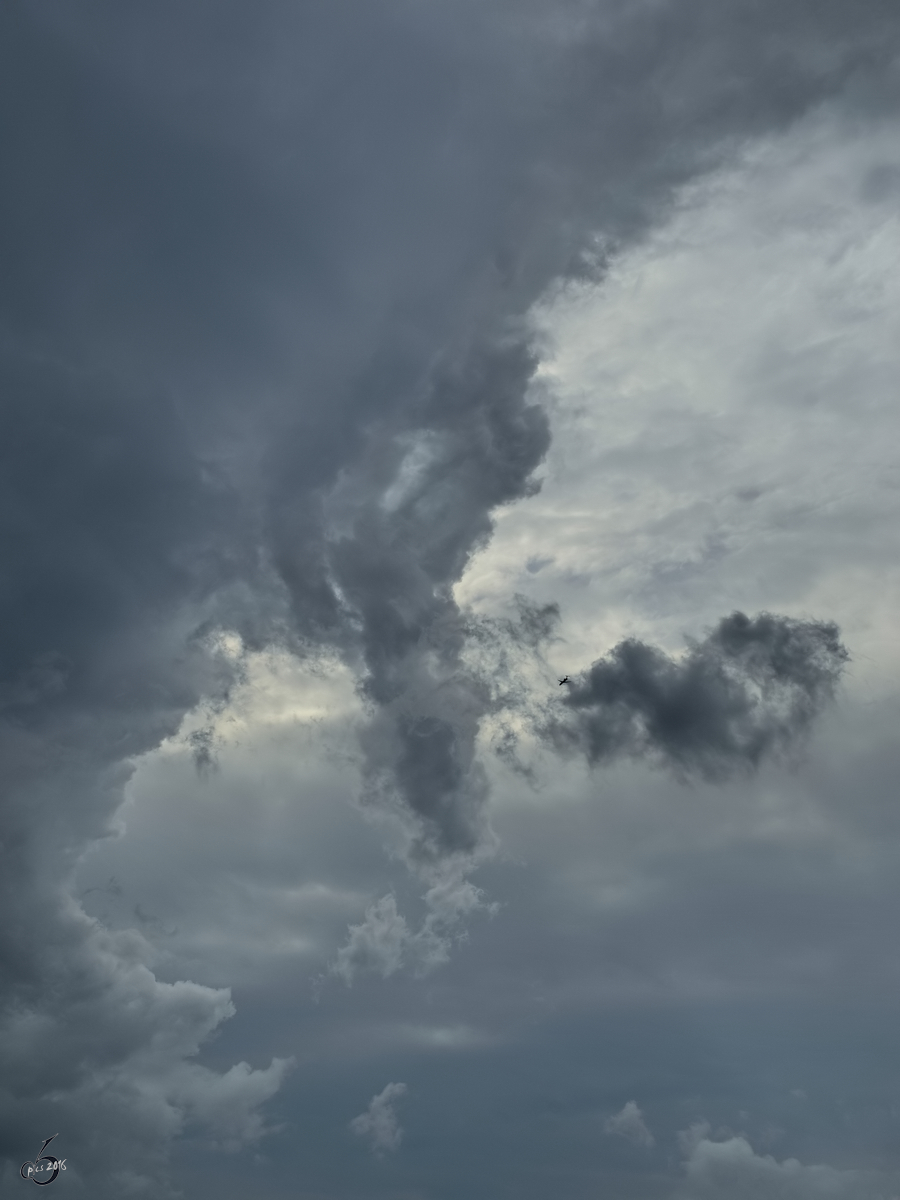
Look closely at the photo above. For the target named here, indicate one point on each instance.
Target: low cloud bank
(730, 1170)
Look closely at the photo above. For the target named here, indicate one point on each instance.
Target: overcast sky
(368, 367)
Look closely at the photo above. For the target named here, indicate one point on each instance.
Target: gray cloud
(384, 942)
(265, 368)
(377, 943)
(379, 1122)
(629, 1123)
(475, 447)
(110, 1059)
(750, 689)
(717, 1170)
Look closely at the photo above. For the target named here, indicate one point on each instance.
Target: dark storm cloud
(752, 688)
(474, 445)
(110, 527)
(264, 365)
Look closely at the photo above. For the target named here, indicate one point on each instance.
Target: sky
(367, 369)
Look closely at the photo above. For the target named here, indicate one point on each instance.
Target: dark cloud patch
(114, 539)
(116, 563)
(751, 689)
(203, 750)
(469, 444)
(429, 773)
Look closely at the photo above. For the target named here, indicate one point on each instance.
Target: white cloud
(376, 943)
(383, 942)
(379, 1122)
(228, 1104)
(724, 414)
(730, 1170)
(629, 1124)
(725, 420)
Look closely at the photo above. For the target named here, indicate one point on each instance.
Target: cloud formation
(725, 1169)
(111, 1061)
(266, 360)
(749, 690)
(379, 1122)
(383, 941)
(629, 1123)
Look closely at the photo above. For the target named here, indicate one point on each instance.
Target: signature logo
(42, 1164)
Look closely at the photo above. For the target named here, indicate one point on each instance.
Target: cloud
(266, 366)
(110, 1062)
(383, 942)
(417, 488)
(394, 564)
(379, 1122)
(749, 690)
(377, 943)
(228, 1104)
(629, 1124)
(729, 1169)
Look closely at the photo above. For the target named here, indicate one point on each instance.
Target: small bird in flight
(562, 681)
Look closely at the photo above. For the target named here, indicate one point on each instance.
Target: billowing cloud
(111, 1061)
(266, 362)
(379, 1124)
(748, 690)
(722, 1170)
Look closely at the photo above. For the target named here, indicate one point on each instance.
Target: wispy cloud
(629, 1124)
(379, 1124)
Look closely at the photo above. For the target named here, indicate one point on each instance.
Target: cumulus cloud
(728, 1169)
(628, 1123)
(383, 942)
(379, 1122)
(749, 690)
(377, 943)
(111, 1061)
